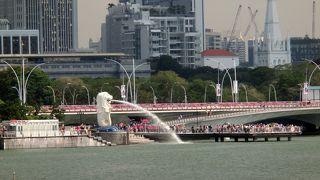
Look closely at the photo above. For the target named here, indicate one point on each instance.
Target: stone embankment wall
(119, 138)
(48, 142)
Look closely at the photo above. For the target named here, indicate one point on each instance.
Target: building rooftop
(216, 52)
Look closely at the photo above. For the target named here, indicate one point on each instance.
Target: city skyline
(221, 19)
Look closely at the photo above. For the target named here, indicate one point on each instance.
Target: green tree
(13, 110)
(164, 81)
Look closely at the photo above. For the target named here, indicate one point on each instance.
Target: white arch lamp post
(222, 82)
(154, 96)
(134, 81)
(88, 95)
(205, 90)
(275, 92)
(124, 69)
(22, 85)
(63, 92)
(307, 83)
(53, 94)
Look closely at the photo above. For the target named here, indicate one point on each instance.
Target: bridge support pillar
(236, 139)
(246, 139)
(289, 138)
(254, 139)
(216, 139)
(278, 138)
(222, 139)
(266, 139)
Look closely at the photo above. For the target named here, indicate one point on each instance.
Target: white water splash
(155, 117)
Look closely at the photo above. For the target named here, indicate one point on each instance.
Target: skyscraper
(55, 20)
(150, 28)
(272, 50)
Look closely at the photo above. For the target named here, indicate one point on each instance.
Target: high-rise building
(143, 29)
(213, 39)
(304, 48)
(272, 50)
(237, 46)
(55, 20)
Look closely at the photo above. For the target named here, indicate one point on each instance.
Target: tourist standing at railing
(62, 128)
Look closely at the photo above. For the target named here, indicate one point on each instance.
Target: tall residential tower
(55, 20)
(150, 28)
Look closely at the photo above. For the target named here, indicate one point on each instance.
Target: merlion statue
(104, 109)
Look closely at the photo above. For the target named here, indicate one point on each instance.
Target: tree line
(168, 80)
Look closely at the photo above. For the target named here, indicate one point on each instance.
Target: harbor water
(201, 160)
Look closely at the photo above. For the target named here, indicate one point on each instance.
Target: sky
(295, 17)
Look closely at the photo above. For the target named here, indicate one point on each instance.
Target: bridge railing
(190, 106)
(238, 113)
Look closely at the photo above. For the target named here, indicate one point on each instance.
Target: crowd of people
(140, 126)
(239, 128)
(257, 128)
(82, 129)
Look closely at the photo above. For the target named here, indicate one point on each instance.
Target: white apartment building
(148, 31)
(213, 39)
(238, 47)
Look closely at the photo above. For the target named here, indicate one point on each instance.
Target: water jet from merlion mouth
(155, 117)
(104, 100)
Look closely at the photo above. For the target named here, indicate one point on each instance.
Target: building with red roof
(218, 58)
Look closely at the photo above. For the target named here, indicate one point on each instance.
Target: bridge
(213, 113)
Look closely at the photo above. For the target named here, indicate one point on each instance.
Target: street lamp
(231, 84)
(73, 95)
(219, 87)
(87, 94)
(63, 92)
(26, 83)
(171, 91)
(307, 83)
(22, 85)
(124, 69)
(185, 93)
(300, 91)
(154, 96)
(123, 97)
(317, 67)
(235, 82)
(53, 94)
(13, 87)
(134, 81)
(245, 89)
(274, 90)
(205, 90)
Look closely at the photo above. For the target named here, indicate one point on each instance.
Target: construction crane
(313, 19)
(255, 24)
(253, 16)
(234, 27)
